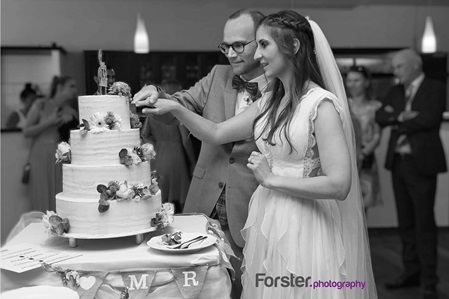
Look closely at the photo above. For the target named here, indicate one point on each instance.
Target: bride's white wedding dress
(290, 235)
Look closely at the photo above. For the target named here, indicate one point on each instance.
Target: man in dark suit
(222, 184)
(415, 156)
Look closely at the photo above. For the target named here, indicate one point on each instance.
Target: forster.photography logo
(295, 281)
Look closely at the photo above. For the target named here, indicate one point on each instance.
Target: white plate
(156, 243)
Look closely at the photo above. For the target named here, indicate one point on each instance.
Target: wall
(78, 25)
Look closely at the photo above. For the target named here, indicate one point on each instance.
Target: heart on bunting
(87, 282)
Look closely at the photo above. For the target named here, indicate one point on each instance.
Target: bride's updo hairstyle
(284, 27)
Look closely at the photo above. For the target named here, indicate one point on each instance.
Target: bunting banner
(137, 283)
(89, 282)
(190, 281)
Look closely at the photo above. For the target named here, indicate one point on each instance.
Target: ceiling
(303, 3)
(335, 3)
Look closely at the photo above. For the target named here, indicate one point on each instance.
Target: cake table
(119, 262)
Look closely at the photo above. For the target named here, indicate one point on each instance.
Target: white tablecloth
(123, 254)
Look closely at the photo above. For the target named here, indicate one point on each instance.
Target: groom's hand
(146, 97)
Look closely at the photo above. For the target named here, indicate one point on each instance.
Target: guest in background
(48, 123)
(17, 119)
(415, 156)
(222, 184)
(176, 157)
(363, 107)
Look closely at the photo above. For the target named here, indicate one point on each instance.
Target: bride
(305, 234)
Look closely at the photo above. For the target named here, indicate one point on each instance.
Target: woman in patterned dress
(364, 107)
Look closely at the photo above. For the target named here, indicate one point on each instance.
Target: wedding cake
(108, 189)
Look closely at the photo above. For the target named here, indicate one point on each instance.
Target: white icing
(89, 105)
(103, 148)
(95, 160)
(122, 216)
(81, 181)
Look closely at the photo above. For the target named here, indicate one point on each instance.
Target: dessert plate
(158, 244)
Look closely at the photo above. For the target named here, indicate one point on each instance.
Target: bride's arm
(335, 181)
(239, 127)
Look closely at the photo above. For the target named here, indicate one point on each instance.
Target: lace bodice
(303, 159)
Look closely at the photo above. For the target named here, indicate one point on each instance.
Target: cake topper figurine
(102, 75)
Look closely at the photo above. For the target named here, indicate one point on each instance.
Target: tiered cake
(95, 164)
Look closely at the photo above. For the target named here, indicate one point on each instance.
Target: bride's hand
(258, 163)
(161, 106)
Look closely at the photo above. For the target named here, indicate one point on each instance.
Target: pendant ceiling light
(429, 40)
(141, 40)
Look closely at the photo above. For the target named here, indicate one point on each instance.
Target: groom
(222, 184)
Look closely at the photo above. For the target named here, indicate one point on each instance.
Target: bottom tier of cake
(122, 216)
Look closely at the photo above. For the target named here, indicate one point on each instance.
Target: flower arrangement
(121, 89)
(54, 224)
(164, 217)
(63, 153)
(139, 154)
(123, 191)
(135, 121)
(70, 278)
(100, 122)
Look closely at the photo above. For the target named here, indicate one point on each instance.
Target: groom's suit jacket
(423, 131)
(219, 166)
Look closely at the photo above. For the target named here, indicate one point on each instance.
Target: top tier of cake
(89, 105)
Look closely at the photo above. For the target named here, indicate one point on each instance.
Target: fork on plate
(186, 244)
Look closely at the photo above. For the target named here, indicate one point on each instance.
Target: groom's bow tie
(251, 87)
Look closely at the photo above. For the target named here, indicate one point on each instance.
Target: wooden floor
(387, 263)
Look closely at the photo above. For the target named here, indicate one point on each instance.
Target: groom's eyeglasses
(238, 47)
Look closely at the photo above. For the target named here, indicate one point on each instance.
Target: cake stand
(138, 233)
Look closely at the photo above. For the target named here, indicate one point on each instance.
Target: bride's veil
(355, 237)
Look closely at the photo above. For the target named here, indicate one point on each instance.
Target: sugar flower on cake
(129, 158)
(135, 121)
(100, 122)
(97, 123)
(121, 89)
(148, 151)
(137, 155)
(124, 192)
(63, 153)
(164, 217)
(114, 122)
(54, 224)
(121, 191)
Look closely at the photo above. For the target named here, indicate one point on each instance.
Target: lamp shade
(141, 40)
(429, 40)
